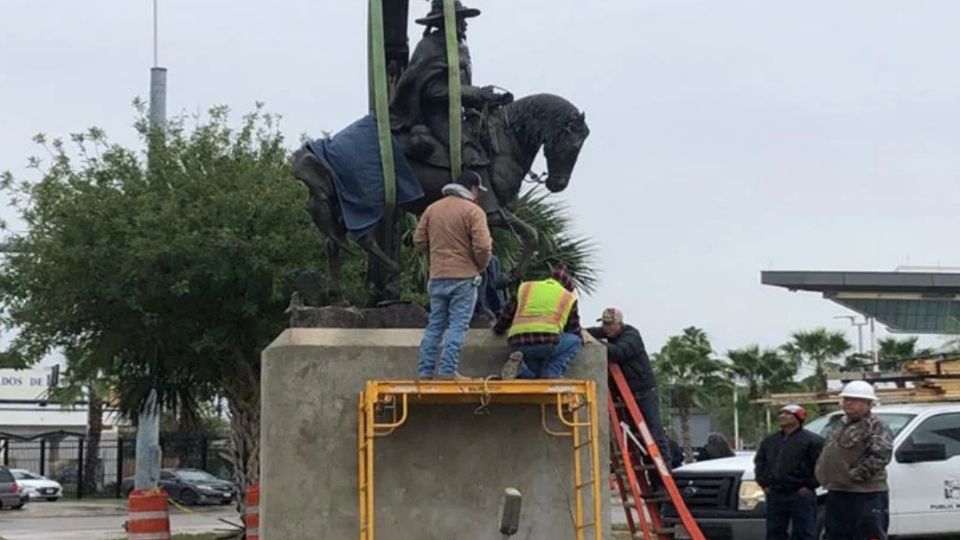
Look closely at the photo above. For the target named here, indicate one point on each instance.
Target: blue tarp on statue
(353, 158)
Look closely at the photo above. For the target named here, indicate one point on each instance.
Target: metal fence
(61, 458)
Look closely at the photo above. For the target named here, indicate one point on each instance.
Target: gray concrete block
(440, 476)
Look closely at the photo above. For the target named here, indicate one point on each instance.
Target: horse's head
(562, 150)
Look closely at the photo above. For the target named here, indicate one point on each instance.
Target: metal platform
(384, 407)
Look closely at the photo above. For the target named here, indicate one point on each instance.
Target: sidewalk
(67, 508)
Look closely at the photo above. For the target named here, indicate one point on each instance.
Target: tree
(762, 372)
(174, 276)
(818, 349)
(687, 367)
(893, 351)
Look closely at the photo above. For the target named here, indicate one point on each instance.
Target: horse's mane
(540, 118)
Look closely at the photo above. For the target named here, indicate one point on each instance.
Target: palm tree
(763, 372)
(819, 349)
(687, 366)
(893, 351)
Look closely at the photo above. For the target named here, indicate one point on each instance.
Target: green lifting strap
(378, 79)
(454, 89)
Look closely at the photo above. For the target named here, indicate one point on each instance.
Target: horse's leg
(370, 245)
(528, 236)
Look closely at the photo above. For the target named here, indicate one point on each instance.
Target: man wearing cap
(853, 468)
(542, 324)
(625, 348)
(453, 231)
(420, 104)
(784, 466)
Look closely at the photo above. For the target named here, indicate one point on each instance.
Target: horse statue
(515, 134)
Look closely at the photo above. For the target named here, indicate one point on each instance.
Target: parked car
(11, 496)
(190, 486)
(37, 486)
(924, 478)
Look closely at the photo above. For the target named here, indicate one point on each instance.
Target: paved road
(35, 522)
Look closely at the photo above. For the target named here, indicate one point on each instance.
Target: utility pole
(148, 428)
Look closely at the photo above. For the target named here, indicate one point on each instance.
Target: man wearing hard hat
(853, 468)
(784, 469)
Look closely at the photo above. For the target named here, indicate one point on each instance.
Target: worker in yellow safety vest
(542, 324)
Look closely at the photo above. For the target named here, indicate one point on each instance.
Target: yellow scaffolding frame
(576, 408)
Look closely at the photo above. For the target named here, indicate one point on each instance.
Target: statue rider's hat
(435, 17)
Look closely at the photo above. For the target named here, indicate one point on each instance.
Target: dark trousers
(649, 403)
(786, 510)
(857, 516)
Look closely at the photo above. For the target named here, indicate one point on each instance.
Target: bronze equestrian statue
(501, 138)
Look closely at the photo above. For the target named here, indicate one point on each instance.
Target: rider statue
(420, 108)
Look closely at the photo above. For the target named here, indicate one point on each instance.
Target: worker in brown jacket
(454, 232)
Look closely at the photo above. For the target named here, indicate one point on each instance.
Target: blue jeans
(857, 516)
(548, 361)
(649, 403)
(451, 308)
(784, 508)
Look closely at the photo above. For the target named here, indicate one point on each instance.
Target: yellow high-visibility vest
(543, 307)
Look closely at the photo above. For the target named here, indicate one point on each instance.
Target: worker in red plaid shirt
(542, 324)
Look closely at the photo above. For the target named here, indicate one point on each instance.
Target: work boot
(455, 376)
(511, 368)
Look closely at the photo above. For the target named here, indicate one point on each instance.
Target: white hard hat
(859, 390)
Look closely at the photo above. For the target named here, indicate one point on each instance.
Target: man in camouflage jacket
(853, 468)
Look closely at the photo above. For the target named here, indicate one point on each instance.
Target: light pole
(859, 325)
(149, 454)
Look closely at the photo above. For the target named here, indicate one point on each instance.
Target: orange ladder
(635, 459)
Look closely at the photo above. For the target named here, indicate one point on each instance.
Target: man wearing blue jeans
(453, 231)
(543, 328)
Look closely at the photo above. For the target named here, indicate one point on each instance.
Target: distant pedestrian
(676, 453)
(717, 447)
(784, 468)
(853, 468)
(453, 231)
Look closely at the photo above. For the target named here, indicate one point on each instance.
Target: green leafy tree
(686, 366)
(893, 351)
(762, 373)
(818, 349)
(173, 276)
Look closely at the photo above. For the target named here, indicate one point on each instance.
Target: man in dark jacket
(784, 469)
(625, 348)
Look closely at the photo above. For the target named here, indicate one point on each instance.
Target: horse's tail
(322, 206)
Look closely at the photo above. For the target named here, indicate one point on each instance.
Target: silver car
(11, 496)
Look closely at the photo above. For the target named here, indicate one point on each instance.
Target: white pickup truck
(924, 478)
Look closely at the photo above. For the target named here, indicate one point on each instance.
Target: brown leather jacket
(454, 232)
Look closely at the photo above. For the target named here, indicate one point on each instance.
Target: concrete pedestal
(440, 476)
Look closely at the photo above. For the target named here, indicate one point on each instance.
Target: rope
(378, 82)
(454, 89)
(485, 397)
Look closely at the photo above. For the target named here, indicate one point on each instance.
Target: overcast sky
(728, 137)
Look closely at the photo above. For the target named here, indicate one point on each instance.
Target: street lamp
(859, 325)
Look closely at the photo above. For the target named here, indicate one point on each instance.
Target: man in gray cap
(625, 348)
(453, 232)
